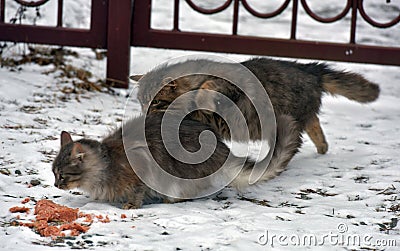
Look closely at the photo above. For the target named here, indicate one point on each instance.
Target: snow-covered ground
(351, 193)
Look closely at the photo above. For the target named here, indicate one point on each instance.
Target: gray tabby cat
(294, 89)
(103, 170)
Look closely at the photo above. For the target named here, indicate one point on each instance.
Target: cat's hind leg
(314, 130)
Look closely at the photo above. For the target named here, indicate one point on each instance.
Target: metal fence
(351, 51)
(117, 25)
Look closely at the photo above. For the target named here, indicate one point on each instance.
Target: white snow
(354, 185)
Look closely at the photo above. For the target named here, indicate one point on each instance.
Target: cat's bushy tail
(288, 141)
(350, 85)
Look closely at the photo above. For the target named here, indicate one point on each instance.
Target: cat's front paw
(172, 200)
(322, 148)
(130, 205)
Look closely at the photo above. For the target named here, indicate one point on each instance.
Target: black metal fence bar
(2, 10)
(60, 5)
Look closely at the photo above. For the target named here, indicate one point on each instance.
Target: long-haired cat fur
(101, 168)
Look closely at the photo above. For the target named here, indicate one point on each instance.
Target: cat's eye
(155, 102)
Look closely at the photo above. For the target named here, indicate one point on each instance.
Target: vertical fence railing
(118, 42)
(2, 10)
(144, 35)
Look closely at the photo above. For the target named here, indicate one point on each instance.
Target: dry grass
(81, 79)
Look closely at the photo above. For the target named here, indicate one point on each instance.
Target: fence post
(118, 42)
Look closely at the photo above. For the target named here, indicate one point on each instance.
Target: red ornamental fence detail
(117, 25)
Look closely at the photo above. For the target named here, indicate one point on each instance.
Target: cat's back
(293, 88)
(286, 73)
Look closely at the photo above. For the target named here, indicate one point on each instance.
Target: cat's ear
(65, 138)
(136, 77)
(169, 82)
(209, 85)
(77, 151)
(204, 98)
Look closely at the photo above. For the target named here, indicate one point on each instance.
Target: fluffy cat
(102, 169)
(294, 89)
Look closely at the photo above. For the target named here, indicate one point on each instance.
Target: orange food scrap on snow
(105, 220)
(19, 210)
(74, 226)
(30, 225)
(88, 217)
(26, 200)
(50, 211)
(50, 231)
(47, 212)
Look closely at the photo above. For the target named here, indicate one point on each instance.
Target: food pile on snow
(54, 220)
